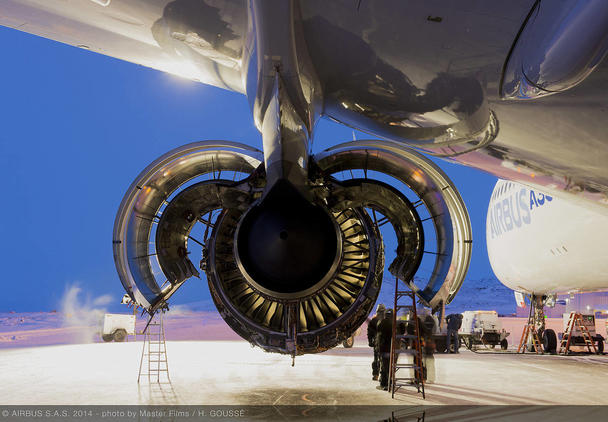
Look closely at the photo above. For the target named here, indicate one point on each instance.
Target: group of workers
(380, 333)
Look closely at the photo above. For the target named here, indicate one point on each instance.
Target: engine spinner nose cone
(286, 245)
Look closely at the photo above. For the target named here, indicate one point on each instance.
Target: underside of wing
(186, 38)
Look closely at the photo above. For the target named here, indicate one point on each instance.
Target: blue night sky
(77, 127)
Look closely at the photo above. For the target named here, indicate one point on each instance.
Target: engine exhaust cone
(286, 244)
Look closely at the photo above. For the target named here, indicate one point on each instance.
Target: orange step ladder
(576, 321)
(530, 330)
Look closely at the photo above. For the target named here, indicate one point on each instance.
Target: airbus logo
(515, 210)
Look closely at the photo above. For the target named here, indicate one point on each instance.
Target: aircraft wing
(149, 33)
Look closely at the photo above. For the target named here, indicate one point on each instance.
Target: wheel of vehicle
(549, 341)
(468, 342)
(107, 337)
(349, 342)
(440, 345)
(600, 346)
(504, 344)
(120, 335)
(427, 325)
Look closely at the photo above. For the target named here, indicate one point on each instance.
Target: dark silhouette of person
(372, 330)
(454, 323)
(383, 343)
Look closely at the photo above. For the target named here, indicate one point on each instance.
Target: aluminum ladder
(398, 344)
(154, 351)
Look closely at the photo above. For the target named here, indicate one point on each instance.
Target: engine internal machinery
(291, 269)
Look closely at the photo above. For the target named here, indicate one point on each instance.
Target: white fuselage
(539, 243)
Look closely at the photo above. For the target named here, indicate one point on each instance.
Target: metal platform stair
(154, 352)
(402, 374)
(576, 321)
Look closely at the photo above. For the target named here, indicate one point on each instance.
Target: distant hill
(482, 294)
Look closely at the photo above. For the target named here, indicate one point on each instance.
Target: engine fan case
(299, 325)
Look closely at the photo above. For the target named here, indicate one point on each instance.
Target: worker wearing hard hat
(372, 329)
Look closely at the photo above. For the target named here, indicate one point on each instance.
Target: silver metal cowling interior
(435, 190)
(137, 213)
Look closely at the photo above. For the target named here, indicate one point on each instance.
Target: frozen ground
(223, 370)
(233, 373)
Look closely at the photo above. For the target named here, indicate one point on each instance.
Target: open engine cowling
(292, 270)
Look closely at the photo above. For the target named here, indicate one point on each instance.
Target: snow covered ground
(45, 360)
(233, 373)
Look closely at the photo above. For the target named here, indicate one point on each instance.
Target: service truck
(478, 328)
(117, 326)
(482, 328)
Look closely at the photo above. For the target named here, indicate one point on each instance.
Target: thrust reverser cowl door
(193, 205)
(446, 210)
(219, 164)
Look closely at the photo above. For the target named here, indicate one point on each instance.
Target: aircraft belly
(428, 75)
(408, 71)
(558, 142)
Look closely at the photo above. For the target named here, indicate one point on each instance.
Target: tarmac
(234, 373)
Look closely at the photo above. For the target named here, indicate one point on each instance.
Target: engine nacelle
(292, 270)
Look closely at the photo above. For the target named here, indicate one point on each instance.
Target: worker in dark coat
(371, 339)
(383, 343)
(454, 323)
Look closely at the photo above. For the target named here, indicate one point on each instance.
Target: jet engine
(291, 269)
